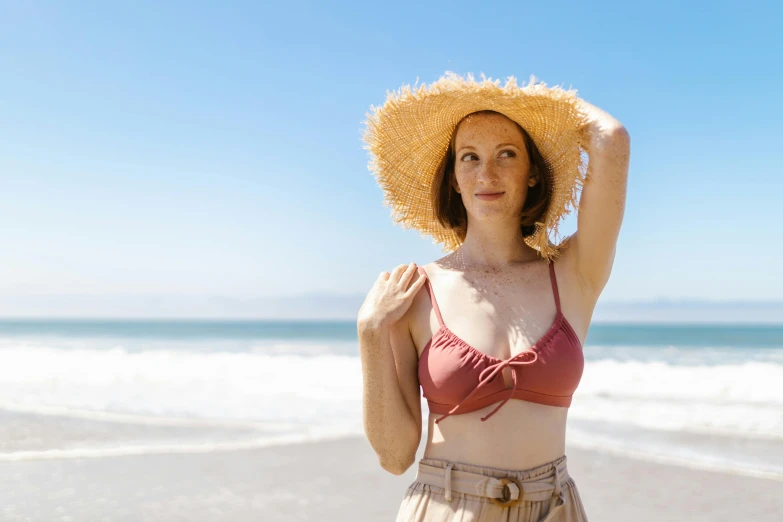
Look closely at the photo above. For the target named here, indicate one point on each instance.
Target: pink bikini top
(457, 378)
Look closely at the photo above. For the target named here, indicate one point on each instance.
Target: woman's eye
(511, 152)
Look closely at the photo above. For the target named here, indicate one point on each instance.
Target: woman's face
(491, 157)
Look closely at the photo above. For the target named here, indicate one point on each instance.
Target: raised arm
(391, 406)
(602, 202)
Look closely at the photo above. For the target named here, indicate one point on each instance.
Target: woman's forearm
(388, 423)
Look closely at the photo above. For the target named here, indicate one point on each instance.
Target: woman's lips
(489, 197)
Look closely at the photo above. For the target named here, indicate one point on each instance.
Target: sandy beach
(201, 423)
(340, 480)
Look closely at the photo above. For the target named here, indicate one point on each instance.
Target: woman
(495, 341)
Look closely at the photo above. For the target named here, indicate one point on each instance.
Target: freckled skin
(495, 293)
(481, 166)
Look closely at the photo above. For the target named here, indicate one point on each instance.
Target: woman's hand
(391, 296)
(391, 406)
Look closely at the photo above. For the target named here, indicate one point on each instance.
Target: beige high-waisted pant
(428, 503)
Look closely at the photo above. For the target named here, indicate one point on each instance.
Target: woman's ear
(533, 179)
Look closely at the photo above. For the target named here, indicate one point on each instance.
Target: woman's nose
(488, 171)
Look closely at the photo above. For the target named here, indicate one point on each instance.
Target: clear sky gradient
(194, 148)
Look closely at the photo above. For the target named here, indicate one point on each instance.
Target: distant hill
(345, 307)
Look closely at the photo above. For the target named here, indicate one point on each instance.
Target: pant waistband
(507, 491)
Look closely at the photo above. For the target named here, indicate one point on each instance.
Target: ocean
(703, 396)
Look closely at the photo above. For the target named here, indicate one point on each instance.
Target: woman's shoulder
(432, 268)
(442, 266)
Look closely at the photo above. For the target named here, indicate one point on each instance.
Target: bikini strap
(432, 296)
(554, 284)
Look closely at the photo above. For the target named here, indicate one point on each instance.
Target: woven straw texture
(409, 134)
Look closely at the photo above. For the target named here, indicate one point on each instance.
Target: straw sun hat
(408, 137)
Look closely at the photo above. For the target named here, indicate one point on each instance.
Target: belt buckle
(507, 500)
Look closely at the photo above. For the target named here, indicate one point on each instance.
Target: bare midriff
(503, 441)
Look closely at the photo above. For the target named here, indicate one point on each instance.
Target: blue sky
(193, 149)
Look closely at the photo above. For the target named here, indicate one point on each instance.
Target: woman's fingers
(397, 271)
(417, 283)
(406, 275)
